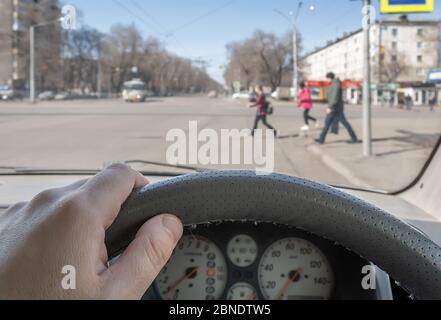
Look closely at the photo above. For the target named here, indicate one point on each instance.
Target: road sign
(406, 6)
(434, 76)
(237, 85)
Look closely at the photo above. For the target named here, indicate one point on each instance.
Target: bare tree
(263, 58)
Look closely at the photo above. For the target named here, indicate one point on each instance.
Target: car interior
(339, 100)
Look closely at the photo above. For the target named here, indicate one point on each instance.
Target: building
(16, 16)
(402, 54)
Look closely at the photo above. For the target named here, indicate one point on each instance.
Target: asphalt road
(88, 134)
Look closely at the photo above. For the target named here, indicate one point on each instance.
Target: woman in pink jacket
(305, 103)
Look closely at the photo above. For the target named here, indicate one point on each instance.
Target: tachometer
(295, 269)
(196, 271)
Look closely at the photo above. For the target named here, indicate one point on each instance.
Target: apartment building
(402, 53)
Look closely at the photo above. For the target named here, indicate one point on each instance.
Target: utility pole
(367, 108)
(32, 64)
(295, 49)
(295, 80)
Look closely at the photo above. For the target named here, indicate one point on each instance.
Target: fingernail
(174, 225)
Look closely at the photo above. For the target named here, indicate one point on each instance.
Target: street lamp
(32, 54)
(292, 19)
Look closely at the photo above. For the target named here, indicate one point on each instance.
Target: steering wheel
(397, 248)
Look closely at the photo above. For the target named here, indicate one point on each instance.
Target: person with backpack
(262, 110)
(305, 103)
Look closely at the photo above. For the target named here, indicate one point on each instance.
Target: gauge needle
(252, 296)
(187, 275)
(288, 283)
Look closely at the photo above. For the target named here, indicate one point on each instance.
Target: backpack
(269, 108)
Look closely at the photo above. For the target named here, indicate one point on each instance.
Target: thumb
(143, 259)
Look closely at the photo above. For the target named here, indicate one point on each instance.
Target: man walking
(336, 110)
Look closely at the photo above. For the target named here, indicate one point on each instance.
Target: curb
(337, 166)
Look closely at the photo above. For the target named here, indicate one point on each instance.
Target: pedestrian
(432, 102)
(305, 103)
(335, 111)
(408, 102)
(261, 105)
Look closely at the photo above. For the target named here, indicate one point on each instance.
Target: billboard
(406, 6)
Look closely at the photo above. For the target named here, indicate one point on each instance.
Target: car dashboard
(263, 261)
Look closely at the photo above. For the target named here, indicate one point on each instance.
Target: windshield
(135, 87)
(325, 90)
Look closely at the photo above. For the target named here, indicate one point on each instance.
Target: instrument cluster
(249, 261)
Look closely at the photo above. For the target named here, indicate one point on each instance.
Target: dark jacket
(334, 96)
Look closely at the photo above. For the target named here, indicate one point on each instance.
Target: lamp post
(292, 19)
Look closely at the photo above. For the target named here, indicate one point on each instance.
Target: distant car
(46, 96)
(135, 91)
(283, 93)
(61, 96)
(212, 94)
(244, 95)
(6, 93)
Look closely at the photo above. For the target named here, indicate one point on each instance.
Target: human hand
(328, 110)
(66, 227)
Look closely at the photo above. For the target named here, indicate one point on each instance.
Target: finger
(109, 189)
(143, 259)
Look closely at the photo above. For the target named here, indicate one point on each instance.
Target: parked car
(244, 95)
(8, 93)
(61, 96)
(283, 93)
(46, 95)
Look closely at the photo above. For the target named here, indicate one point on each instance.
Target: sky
(202, 28)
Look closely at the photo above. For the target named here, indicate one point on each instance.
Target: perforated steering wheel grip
(403, 252)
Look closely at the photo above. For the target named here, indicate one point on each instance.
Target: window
(420, 32)
(420, 72)
(394, 32)
(420, 58)
(394, 58)
(394, 45)
(419, 45)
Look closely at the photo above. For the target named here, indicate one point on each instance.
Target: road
(88, 134)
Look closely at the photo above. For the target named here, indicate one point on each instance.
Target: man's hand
(328, 110)
(66, 227)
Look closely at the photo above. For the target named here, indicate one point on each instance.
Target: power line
(166, 34)
(203, 16)
(130, 11)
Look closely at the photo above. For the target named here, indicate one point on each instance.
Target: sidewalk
(401, 148)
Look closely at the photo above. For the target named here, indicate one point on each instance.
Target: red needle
(288, 284)
(181, 280)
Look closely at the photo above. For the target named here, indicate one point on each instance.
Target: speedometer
(196, 271)
(295, 269)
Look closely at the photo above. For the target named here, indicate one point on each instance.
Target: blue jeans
(339, 117)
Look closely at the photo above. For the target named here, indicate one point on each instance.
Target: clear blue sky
(202, 28)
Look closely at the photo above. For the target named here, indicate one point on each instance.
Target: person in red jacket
(261, 105)
(305, 103)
